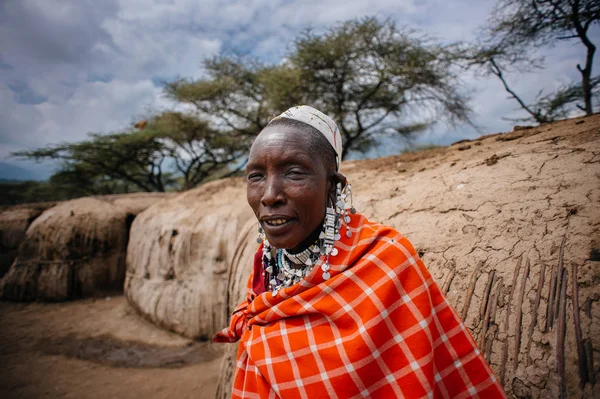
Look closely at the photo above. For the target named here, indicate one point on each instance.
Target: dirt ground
(98, 348)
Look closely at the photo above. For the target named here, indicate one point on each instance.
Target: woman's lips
(276, 222)
(277, 226)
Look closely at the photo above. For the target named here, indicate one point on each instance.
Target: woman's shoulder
(378, 229)
(381, 235)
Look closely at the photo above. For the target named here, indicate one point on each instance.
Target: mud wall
(179, 255)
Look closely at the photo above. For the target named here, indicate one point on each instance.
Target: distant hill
(11, 172)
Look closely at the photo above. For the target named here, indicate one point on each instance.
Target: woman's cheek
(253, 197)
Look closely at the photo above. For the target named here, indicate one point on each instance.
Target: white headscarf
(319, 121)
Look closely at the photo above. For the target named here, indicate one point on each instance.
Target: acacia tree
(516, 28)
(170, 145)
(370, 75)
(367, 74)
(122, 156)
(197, 151)
(239, 95)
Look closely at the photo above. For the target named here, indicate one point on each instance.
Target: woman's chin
(282, 242)
(283, 236)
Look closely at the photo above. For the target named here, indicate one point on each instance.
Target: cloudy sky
(69, 67)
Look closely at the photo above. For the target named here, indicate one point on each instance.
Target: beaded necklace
(278, 264)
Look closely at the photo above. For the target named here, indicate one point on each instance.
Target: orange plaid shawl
(378, 328)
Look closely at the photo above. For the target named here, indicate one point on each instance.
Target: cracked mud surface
(98, 349)
(508, 228)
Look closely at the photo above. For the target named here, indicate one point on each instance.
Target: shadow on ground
(112, 352)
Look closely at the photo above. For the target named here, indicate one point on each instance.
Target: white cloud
(93, 69)
(93, 107)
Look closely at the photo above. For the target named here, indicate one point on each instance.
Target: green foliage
(130, 157)
(78, 180)
(14, 193)
(370, 76)
(20, 192)
(60, 187)
(240, 95)
(150, 159)
(198, 151)
(559, 104)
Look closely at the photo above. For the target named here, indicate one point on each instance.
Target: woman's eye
(295, 173)
(254, 176)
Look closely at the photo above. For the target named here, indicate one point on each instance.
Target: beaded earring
(328, 237)
(343, 206)
(261, 235)
(334, 219)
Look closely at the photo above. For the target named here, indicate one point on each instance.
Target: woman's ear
(336, 178)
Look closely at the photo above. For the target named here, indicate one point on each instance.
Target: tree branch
(495, 69)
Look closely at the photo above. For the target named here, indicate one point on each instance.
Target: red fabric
(258, 279)
(378, 328)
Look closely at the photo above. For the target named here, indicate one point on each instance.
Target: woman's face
(287, 185)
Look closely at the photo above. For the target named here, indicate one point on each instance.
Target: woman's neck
(308, 241)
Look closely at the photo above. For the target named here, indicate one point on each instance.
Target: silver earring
(335, 216)
(261, 235)
(343, 206)
(329, 236)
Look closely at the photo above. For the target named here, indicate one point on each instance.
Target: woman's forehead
(282, 132)
(280, 138)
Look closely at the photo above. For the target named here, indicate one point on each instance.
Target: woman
(338, 306)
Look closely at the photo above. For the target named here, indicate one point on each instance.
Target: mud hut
(135, 203)
(509, 227)
(14, 222)
(73, 250)
(179, 255)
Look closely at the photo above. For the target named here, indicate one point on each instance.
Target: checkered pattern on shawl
(378, 328)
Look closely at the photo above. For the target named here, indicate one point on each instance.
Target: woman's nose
(273, 194)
